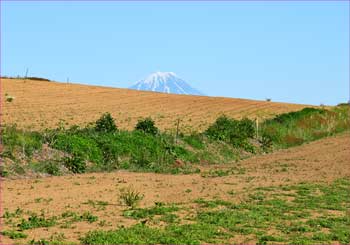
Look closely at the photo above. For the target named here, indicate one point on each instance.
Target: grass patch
(265, 210)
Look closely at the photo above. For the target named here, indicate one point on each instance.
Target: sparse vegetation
(130, 197)
(291, 221)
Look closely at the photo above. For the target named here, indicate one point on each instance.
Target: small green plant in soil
(130, 197)
(36, 221)
(268, 215)
(14, 234)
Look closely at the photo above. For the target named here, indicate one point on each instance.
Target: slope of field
(42, 104)
(321, 161)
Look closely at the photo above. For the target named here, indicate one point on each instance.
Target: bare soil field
(320, 161)
(42, 104)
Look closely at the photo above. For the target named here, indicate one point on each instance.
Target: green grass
(157, 209)
(295, 128)
(266, 215)
(223, 172)
(14, 234)
(225, 141)
(36, 221)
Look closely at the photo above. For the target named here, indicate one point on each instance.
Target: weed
(14, 234)
(158, 209)
(216, 221)
(130, 197)
(75, 163)
(35, 221)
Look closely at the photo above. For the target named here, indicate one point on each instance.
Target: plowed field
(41, 104)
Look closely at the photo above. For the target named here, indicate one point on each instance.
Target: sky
(283, 50)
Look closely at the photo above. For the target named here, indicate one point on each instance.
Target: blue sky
(287, 51)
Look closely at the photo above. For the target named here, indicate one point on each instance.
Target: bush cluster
(147, 126)
(235, 132)
(106, 124)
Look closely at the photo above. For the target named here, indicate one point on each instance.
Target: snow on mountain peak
(165, 82)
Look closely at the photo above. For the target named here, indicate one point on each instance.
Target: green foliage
(195, 140)
(51, 167)
(146, 149)
(147, 126)
(141, 234)
(266, 143)
(24, 141)
(75, 164)
(75, 217)
(235, 132)
(268, 209)
(130, 197)
(223, 172)
(35, 221)
(106, 124)
(3, 171)
(14, 234)
(158, 209)
(295, 128)
(78, 143)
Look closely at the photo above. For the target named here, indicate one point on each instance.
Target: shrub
(78, 144)
(195, 140)
(110, 151)
(3, 171)
(35, 221)
(246, 128)
(130, 197)
(51, 167)
(235, 132)
(75, 164)
(14, 138)
(106, 124)
(14, 234)
(147, 126)
(266, 143)
(295, 128)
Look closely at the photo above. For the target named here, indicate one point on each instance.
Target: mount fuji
(165, 82)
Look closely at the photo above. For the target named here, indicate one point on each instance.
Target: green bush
(78, 143)
(75, 164)
(130, 197)
(295, 128)
(147, 126)
(22, 141)
(195, 140)
(106, 124)
(51, 167)
(235, 132)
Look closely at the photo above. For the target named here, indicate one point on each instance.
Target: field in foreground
(41, 104)
(296, 195)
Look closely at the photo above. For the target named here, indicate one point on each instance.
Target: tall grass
(295, 128)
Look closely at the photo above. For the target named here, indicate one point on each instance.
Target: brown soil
(323, 160)
(42, 104)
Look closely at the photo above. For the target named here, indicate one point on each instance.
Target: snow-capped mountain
(165, 82)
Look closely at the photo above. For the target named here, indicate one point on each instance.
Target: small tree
(147, 126)
(106, 124)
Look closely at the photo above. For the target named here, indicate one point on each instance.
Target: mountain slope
(165, 82)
